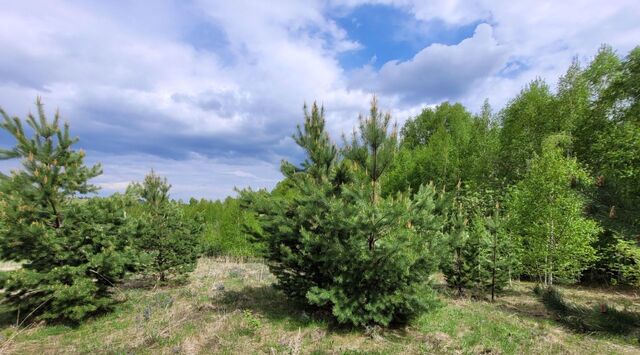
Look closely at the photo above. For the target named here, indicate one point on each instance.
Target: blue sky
(208, 92)
(388, 32)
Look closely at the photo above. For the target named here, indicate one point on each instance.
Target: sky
(208, 92)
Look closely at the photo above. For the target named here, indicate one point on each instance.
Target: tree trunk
(552, 248)
(493, 269)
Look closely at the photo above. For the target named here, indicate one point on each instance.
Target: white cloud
(545, 35)
(220, 84)
(196, 176)
(439, 71)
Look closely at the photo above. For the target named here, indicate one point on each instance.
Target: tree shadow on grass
(8, 316)
(527, 310)
(602, 318)
(276, 307)
(272, 304)
(521, 302)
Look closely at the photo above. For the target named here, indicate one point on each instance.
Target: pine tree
(457, 266)
(154, 190)
(166, 236)
(500, 253)
(480, 256)
(375, 148)
(313, 138)
(291, 217)
(335, 243)
(71, 251)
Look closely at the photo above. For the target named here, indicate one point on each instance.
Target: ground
(229, 307)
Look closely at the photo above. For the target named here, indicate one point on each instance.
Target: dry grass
(232, 308)
(9, 265)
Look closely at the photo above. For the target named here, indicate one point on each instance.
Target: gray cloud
(209, 92)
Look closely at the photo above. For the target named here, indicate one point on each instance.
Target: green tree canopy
(547, 213)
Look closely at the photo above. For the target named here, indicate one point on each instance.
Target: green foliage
(166, 236)
(618, 260)
(315, 140)
(380, 265)
(547, 213)
(627, 264)
(373, 148)
(481, 257)
(526, 121)
(71, 250)
(223, 230)
(153, 191)
(597, 76)
(500, 256)
(616, 149)
(459, 262)
(445, 145)
(335, 243)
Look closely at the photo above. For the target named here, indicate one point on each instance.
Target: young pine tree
(375, 148)
(167, 236)
(313, 138)
(458, 264)
(291, 218)
(480, 256)
(499, 256)
(336, 244)
(72, 251)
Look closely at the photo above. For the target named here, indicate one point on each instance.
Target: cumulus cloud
(540, 37)
(439, 71)
(209, 91)
(147, 79)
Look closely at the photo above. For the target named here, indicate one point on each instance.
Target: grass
(232, 308)
(600, 318)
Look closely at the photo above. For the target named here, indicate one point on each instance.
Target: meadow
(230, 307)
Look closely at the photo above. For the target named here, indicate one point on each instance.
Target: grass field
(228, 307)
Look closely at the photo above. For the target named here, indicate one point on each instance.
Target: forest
(455, 220)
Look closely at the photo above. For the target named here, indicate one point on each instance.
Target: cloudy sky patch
(208, 92)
